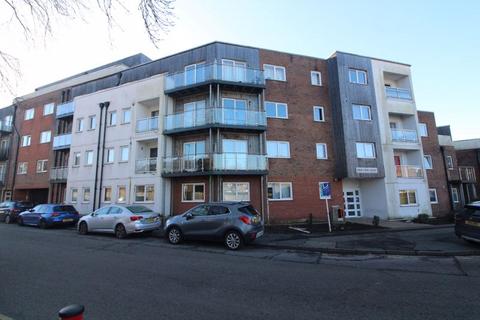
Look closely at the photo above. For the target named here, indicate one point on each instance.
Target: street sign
(325, 190)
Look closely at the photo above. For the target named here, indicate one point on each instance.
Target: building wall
(470, 158)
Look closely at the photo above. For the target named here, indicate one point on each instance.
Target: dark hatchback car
(9, 210)
(467, 222)
(234, 223)
(48, 215)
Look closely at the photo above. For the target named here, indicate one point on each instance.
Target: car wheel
(20, 221)
(174, 235)
(233, 240)
(42, 224)
(83, 228)
(120, 231)
(8, 220)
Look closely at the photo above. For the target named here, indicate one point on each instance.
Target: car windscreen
(249, 210)
(138, 209)
(24, 205)
(64, 208)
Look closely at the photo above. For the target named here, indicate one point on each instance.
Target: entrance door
(352, 203)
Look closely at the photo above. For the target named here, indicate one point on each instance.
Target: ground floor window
(408, 197)
(144, 193)
(433, 195)
(74, 195)
(236, 191)
(455, 195)
(280, 191)
(122, 194)
(107, 194)
(86, 194)
(193, 192)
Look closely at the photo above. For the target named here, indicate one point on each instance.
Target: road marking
(4, 317)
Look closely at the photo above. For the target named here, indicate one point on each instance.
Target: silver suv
(235, 223)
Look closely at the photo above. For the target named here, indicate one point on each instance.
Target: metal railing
(58, 173)
(467, 174)
(5, 127)
(404, 135)
(408, 171)
(398, 93)
(62, 141)
(147, 124)
(215, 71)
(65, 109)
(209, 116)
(148, 165)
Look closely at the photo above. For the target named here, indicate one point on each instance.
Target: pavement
(146, 278)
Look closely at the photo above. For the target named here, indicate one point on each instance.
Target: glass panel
(403, 198)
(199, 192)
(280, 74)
(282, 110)
(271, 149)
(188, 192)
(286, 191)
(412, 198)
(357, 113)
(271, 109)
(228, 70)
(362, 77)
(352, 77)
(200, 72)
(240, 71)
(269, 72)
(189, 75)
(140, 193)
(283, 150)
(150, 193)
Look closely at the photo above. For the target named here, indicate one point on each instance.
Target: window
(450, 162)
(124, 150)
(433, 195)
(427, 162)
(112, 118)
(22, 168)
(80, 125)
(26, 140)
(45, 136)
(276, 110)
(48, 109)
(92, 122)
(144, 193)
(110, 155)
(408, 197)
(193, 192)
(194, 73)
(29, 114)
(316, 78)
(86, 194)
(280, 191)
(361, 112)
(89, 157)
(127, 115)
(318, 114)
(321, 151)
(216, 210)
(74, 195)
(278, 149)
(274, 72)
(8, 120)
(357, 76)
(199, 211)
(107, 194)
(76, 158)
(422, 127)
(42, 166)
(236, 191)
(455, 195)
(365, 150)
(122, 194)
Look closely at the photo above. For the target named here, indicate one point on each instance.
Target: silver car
(120, 221)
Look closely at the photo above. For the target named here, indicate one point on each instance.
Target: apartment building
(7, 115)
(468, 156)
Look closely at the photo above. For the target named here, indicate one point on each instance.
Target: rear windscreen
(139, 209)
(248, 210)
(64, 208)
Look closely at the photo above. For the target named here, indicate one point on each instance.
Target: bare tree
(35, 16)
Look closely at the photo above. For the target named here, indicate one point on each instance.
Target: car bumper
(254, 234)
(145, 227)
(62, 221)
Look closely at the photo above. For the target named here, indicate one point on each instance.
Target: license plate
(259, 234)
(472, 223)
(67, 220)
(149, 220)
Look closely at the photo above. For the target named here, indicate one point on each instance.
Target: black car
(9, 210)
(467, 222)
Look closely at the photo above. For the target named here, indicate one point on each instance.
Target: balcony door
(235, 154)
(193, 155)
(193, 114)
(234, 111)
(194, 73)
(234, 70)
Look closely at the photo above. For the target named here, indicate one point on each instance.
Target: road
(145, 278)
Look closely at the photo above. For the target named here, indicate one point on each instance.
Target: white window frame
(22, 167)
(280, 184)
(193, 195)
(144, 193)
(111, 117)
(43, 166)
(118, 194)
(364, 144)
(277, 155)
(436, 196)
(276, 109)
(316, 74)
(236, 192)
(48, 133)
(72, 199)
(76, 155)
(408, 191)
(124, 111)
(29, 114)
(48, 109)
(121, 154)
(105, 194)
(324, 148)
(362, 107)
(322, 112)
(80, 125)
(110, 152)
(455, 195)
(87, 152)
(425, 161)
(92, 120)
(84, 193)
(276, 69)
(195, 66)
(357, 71)
(26, 140)
(421, 128)
(449, 162)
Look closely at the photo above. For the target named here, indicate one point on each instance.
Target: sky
(440, 39)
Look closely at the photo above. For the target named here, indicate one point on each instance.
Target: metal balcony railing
(407, 171)
(62, 141)
(404, 135)
(59, 174)
(65, 109)
(398, 93)
(147, 124)
(467, 174)
(148, 165)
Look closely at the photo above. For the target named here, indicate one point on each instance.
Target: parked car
(48, 215)
(120, 220)
(467, 222)
(9, 210)
(234, 223)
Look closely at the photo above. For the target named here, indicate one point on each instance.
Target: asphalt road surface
(145, 278)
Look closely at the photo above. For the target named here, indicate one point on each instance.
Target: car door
(97, 220)
(113, 217)
(216, 220)
(473, 224)
(3, 210)
(194, 221)
(29, 216)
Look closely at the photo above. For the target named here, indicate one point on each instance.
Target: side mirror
(93, 214)
(31, 210)
(189, 216)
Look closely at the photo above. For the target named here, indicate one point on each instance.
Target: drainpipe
(452, 205)
(106, 104)
(101, 105)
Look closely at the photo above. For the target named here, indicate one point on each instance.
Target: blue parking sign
(325, 190)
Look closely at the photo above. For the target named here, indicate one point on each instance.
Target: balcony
(407, 171)
(147, 125)
(467, 174)
(214, 73)
(215, 163)
(62, 141)
(404, 135)
(4, 153)
(398, 93)
(65, 110)
(59, 174)
(5, 127)
(215, 117)
(148, 165)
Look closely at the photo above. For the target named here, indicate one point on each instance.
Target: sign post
(326, 193)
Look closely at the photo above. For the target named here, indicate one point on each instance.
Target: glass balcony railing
(58, 174)
(404, 135)
(148, 165)
(204, 73)
(147, 124)
(65, 109)
(5, 126)
(407, 171)
(211, 116)
(62, 141)
(398, 93)
(215, 162)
